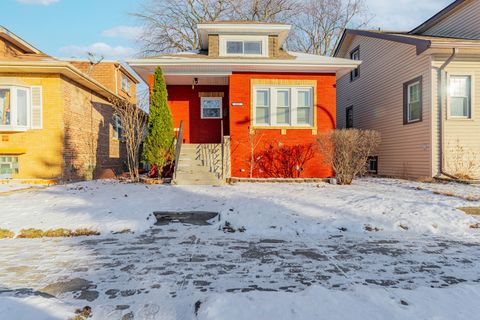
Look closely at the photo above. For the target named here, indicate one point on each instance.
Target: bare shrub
(133, 121)
(347, 151)
(463, 161)
(277, 160)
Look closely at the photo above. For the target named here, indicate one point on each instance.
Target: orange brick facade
(242, 138)
(185, 105)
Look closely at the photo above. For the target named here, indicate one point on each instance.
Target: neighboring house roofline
(19, 42)
(61, 67)
(438, 17)
(422, 43)
(115, 62)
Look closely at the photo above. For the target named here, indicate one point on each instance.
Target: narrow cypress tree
(158, 146)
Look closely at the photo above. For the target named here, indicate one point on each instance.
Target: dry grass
(84, 232)
(31, 233)
(56, 233)
(470, 210)
(4, 233)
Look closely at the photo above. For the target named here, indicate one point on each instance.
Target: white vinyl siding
(283, 106)
(457, 132)
(378, 98)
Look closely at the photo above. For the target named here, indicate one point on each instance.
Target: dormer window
(247, 45)
(244, 47)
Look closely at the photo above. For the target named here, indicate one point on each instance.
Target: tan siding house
(396, 91)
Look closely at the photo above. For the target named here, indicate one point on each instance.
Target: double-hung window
(125, 84)
(117, 127)
(211, 107)
(412, 101)
(15, 108)
(355, 55)
(283, 106)
(460, 98)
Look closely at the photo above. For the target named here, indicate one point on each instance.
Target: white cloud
(403, 15)
(40, 2)
(99, 48)
(126, 32)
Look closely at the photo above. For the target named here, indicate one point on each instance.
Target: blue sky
(69, 28)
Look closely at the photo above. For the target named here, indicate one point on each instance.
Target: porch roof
(196, 63)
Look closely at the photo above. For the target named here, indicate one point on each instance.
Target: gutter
(441, 96)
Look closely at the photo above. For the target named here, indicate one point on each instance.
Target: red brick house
(244, 94)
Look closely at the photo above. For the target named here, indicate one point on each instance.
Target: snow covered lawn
(381, 248)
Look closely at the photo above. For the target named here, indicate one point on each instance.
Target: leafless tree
(133, 121)
(263, 10)
(171, 25)
(319, 24)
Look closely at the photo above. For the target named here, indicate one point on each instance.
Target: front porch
(200, 110)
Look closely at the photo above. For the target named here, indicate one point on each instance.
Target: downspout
(441, 96)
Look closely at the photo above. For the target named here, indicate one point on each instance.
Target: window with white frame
(245, 45)
(211, 107)
(125, 84)
(15, 107)
(283, 106)
(412, 91)
(460, 96)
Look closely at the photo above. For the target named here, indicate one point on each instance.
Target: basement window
(372, 165)
(8, 166)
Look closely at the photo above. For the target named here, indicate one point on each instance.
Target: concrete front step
(191, 170)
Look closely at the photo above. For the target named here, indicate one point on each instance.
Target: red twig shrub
(281, 161)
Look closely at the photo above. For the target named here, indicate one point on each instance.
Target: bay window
(460, 96)
(283, 106)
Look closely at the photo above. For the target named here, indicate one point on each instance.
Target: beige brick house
(56, 121)
(421, 90)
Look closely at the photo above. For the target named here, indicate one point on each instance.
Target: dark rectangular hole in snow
(190, 217)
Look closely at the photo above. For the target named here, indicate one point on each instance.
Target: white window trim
(211, 98)
(13, 116)
(272, 89)
(472, 95)
(223, 45)
(419, 83)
